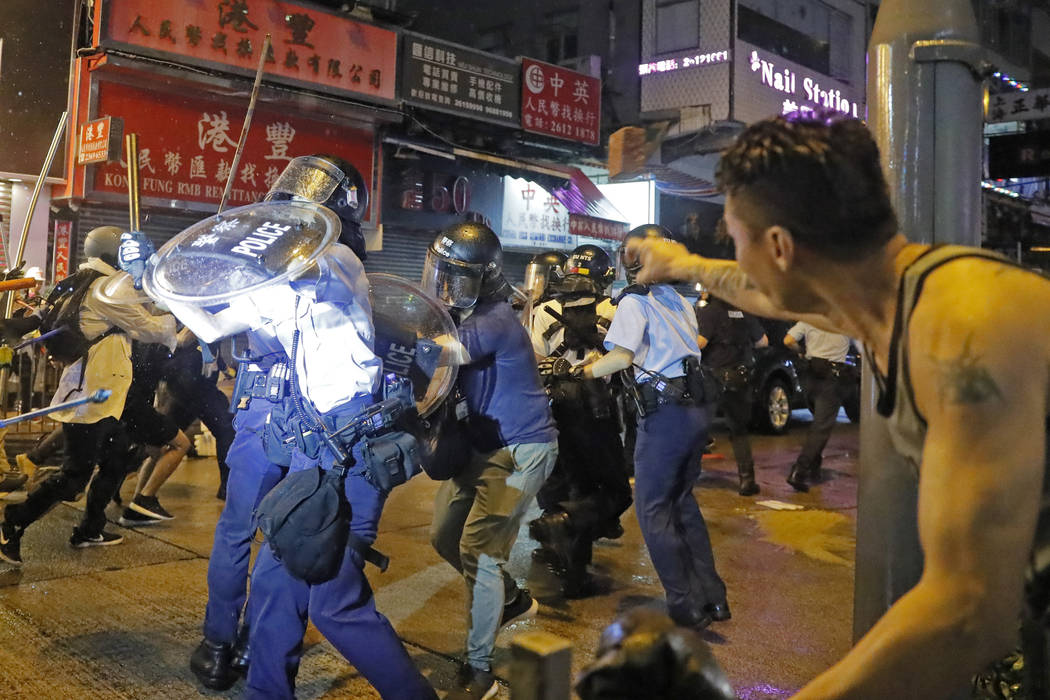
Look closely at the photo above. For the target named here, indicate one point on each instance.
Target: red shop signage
(93, 144)
(560, 102)
(307, 45)
(60, 257)
(186, 145)
(580, 225)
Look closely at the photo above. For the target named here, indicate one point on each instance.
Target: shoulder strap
(640, 289)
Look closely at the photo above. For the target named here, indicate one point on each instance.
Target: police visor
(454, 283)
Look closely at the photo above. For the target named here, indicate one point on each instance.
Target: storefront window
(807, 32)
(677, 25)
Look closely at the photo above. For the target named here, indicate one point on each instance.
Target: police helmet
(640, 232)
(464, 264)
(593, 262)
(104, 243)
(544, 270)
(333, 182)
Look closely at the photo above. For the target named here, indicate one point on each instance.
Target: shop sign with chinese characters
(309, 46)
(593, 227)
(1019, 106)
(556, 101)
(679, 62)
(61, 251)
(456, 79)
(99, 140)
(186, 156)
(533, 218)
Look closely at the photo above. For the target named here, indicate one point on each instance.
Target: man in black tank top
(959, 340)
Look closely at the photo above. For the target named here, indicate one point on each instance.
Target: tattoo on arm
(964, 380)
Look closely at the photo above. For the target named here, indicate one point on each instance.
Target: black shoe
(815, 475)
(474, 684)
(748, 487)
(149, 505)
(719, 612)
(612, 531)
(132, 518)
(241, 655)
(554, 532)
(102, 539)
(11, 544)
(797, 479)
(693, 619)
(523, 606)
(221, 493)
(210, 663)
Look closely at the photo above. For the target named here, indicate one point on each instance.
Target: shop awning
(581, 196)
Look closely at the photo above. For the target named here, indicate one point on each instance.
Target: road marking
(404, 598)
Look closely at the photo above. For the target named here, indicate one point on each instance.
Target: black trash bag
(305, 519)
(642, 654)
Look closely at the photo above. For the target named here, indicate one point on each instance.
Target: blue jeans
(476, 519)
(666, 467)
(343, 610)
(252, 476)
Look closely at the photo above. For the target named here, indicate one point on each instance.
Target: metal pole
(925, 110)
(247, 124)
(9, 302)
(9, 298)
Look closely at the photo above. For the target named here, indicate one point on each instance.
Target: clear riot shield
(416, 338)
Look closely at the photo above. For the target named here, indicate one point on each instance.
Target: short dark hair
(818, 176)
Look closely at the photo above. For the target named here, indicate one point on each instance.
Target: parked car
(777, 382)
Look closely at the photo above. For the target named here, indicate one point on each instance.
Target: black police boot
(240, 656)
(748, 485)
(797, 478)
(210, 663)
(554, 532)
(815, 474)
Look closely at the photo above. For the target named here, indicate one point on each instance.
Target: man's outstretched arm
(980, 380)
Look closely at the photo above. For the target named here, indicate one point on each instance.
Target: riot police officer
(477, 513)
(589, 489)
(542, 272)
(654, 337)
(290, 287)
(728, 337)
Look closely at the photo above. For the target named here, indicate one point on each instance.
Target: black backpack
(62, 317)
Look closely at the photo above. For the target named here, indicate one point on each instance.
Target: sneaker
(474, 684)
(149, 505)
(10, 544)
(523, 606)
(103, 539)
(132, 518)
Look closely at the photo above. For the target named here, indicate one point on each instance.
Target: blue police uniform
(252, 475)
(336, 372)
(659, 327)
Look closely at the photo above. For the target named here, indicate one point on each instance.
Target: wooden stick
(247, 124)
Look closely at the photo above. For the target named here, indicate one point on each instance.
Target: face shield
(454, 283)
(536, 277)
(309, 179)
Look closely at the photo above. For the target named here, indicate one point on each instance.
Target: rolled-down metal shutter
(158, 226)
(402, 254)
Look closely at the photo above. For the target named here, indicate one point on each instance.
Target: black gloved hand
(642, 654)
(554, 367)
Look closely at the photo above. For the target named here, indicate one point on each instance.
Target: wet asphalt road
(120, 622)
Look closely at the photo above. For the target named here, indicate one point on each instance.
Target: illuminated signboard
(690, 61)
(817, 91)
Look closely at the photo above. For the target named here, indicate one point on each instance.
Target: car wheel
(774, 409)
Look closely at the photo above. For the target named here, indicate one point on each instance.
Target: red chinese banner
(62, 250)
(560, 102)
(186, 145)
(594, 227)
(93, 144)
(308, 45)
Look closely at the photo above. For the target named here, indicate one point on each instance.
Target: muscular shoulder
(980, 336)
